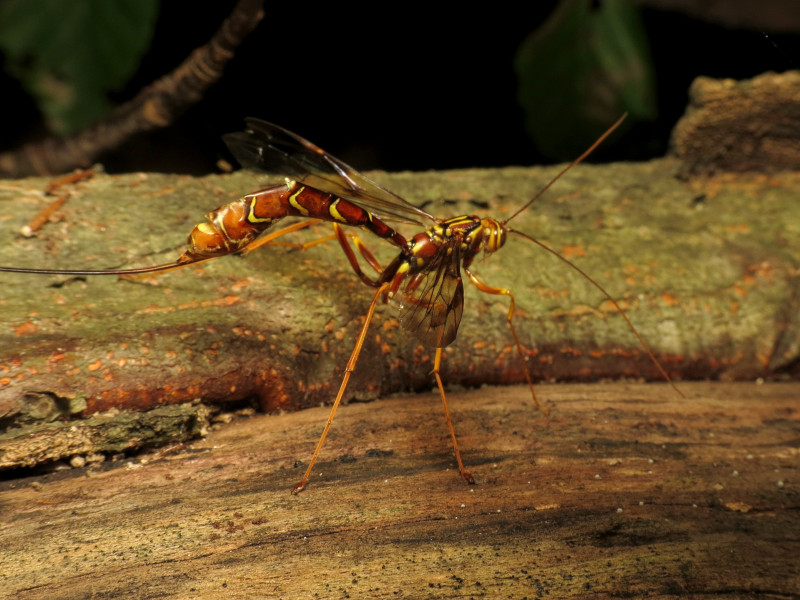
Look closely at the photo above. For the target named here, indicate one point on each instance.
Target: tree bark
(623, 491)
(734, 126)
(706, 270)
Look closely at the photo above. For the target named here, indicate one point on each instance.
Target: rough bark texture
(751, 125)
(624, 491)
(707, 271)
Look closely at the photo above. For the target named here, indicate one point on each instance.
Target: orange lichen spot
(5, 380)
(95, 365)
(386, 348)
(144, 349)
(339, 335)
(172, 354)
(25, 328)
(480, 344)
(608, 307)
(572, 251)
(740, 228)
(764, 269)
(242, 283)
(582, 310)
(57, 357)
(60, 300)
(631, 270)
(739, 290)
(734, 307)
(122, 362)
(571, 351)
(154, 309)
(630, 280)
(224, 301)
(669, 299)
(596, 353)
(108, 376)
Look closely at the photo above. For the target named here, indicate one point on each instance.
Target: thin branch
(155, 106)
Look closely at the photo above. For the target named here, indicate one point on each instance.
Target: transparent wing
(269, 148)
(432, 301)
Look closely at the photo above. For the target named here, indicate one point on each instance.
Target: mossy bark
(707, 271)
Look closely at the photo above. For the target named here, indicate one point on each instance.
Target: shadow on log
(624, 491)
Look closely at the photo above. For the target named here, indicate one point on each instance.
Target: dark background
(399, 90)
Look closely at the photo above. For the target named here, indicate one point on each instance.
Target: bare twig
(154, 107)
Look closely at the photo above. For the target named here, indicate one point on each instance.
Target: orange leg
(351, 365)
(338, 234)
(436, 366)
(268, 239)
(479, 283)
(351, 256)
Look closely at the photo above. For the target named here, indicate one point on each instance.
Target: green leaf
(70, 54)
(579, 72)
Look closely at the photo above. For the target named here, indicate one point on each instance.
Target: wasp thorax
(421, 246)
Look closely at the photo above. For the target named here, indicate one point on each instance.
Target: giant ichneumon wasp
(424, 280)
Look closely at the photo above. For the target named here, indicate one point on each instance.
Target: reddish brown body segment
(234, 226)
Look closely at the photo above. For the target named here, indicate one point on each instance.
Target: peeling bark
(735, 126)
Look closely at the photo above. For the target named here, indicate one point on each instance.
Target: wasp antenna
(591, 149)
(611, 299)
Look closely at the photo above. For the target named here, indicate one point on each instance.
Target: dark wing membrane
(272, 149)
(432, 301)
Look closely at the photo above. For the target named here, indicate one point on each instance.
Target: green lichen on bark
(706, 271)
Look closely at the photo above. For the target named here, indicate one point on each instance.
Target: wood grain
(624, 491)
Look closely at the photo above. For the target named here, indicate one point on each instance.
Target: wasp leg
(344, 242)
(195, 260)
(268, 239)
(436, 366)
(351, 365)
(488, 289)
